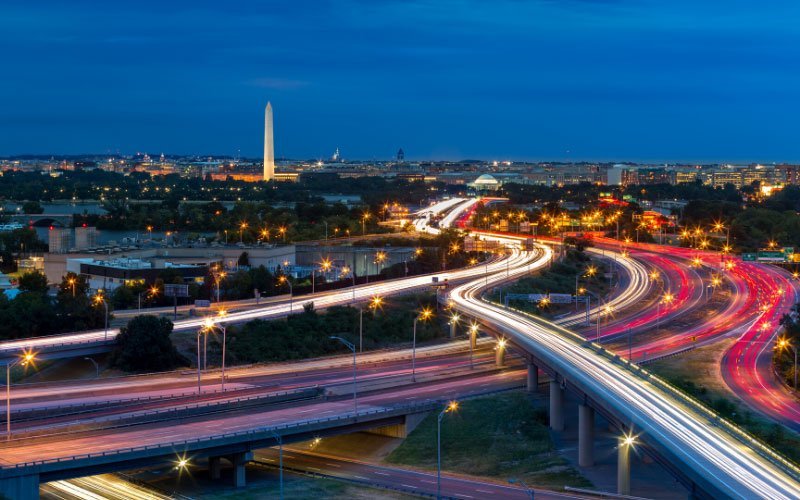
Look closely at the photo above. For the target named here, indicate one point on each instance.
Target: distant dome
(485, 179)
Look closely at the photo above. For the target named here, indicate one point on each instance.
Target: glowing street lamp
(72, 282)
(785, 344)
(283, 280)
(452, 406)
(667, 300)
(242, 227)
(100, 299)
(473, 340)
(424, 315)
(26, 359)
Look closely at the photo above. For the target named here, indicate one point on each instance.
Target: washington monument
(269, 146)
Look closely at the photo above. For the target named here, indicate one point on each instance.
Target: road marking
(360, 477)
(382, 473)
(408, 486)
(333, 465)
(462, 496)
(485, 491)
(429, 482)
(315, 468)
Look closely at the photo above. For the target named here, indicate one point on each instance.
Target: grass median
(498, 437)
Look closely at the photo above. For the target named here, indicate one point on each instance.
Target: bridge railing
(249, 435)
(699, 407)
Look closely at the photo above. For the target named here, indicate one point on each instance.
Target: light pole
(199, 389)
(355, 392)
(667, 299)
(364, 223)
(71, 281)
(280, 460)
(783, 343)
(96, 367)
(23, 361)
(528, 489)
(208, 326)
(451, 406)
(99, 298)
(242, 227)
(283, 279)
(424, 315)
(473, 340)
(153, 292)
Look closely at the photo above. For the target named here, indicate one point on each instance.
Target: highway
(713, 457)
(397, 479)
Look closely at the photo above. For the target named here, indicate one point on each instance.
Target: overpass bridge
(43, 220)
(20, 476)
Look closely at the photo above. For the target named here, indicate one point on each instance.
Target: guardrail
(249, 435)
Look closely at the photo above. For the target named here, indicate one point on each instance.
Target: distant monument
(269, 145)
(401, 156)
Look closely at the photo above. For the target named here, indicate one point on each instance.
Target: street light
(209, 325)
(279, 438)
(785, 344)
(27, 358)
(451, 407)
(282, 279)
(424, 315)
(528, 489)
(473, 339)
(242, 227)
(363, 223)
(667, 299)
(96, 367)
(71, 282)
(380, 258)
(352, 347)
(99, 298)
(153, 291)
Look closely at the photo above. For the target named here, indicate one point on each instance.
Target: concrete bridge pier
(453, 328)
(624, 467)
(239, 460)
(215, 467)
(533, 377)
(556, 406)
(585, 435)
(20, 487)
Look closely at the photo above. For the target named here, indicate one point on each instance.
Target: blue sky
(506, 79)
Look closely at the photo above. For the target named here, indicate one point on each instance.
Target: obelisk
(269, 147)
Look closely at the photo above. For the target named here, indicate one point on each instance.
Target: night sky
(682, 80)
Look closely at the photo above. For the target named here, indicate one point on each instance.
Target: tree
(34, 282)
(143, 345)
(32, 207)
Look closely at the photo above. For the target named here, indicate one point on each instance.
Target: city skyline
(560, 81)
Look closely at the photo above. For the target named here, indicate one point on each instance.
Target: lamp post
(528, 489)
(96, 367)
(283, 279)
(355, 392)
(153, 291)
(99, 298)
(473, 340)
(424, 315)
(667, 299)
(452, 406)
(279, 439)
(784, 344)
(242, 227)
(208, 326)
(23, 361)
(71, 282)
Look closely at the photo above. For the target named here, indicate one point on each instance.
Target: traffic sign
(175, 290)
